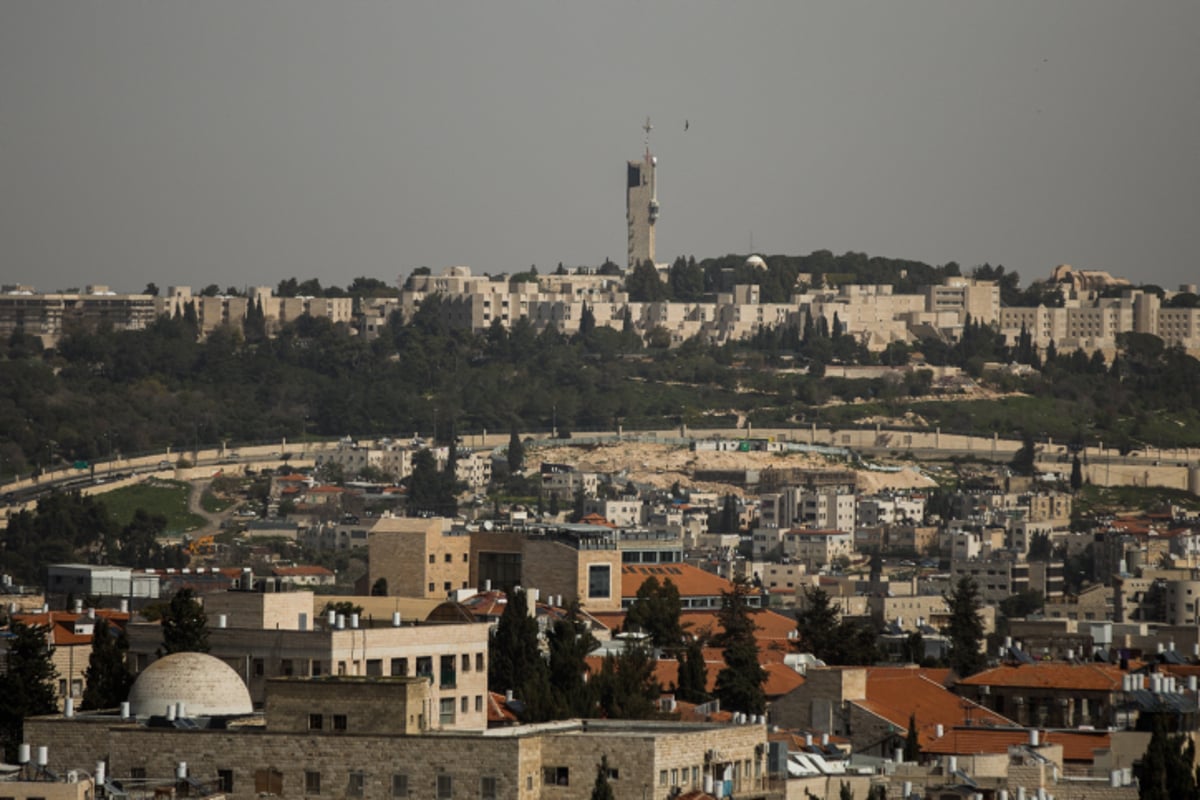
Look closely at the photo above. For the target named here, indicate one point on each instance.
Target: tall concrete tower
(641, 204)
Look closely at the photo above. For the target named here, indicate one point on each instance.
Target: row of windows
(402, 786)
(424, 666)
(447, 586)
(449, 558)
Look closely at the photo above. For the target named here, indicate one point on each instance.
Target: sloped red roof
(62, 624)
(498, 712)
(690, 581)
(1076, 745)
(898, 693)
(1051, 675)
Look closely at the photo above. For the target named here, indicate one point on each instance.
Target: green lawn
(168, 498)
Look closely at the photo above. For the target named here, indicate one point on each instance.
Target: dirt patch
(663, 465)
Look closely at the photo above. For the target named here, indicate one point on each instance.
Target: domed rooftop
(756, 261)
(207, 686)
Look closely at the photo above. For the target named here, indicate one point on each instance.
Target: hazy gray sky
(241, 142)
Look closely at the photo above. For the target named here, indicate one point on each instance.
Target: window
(487, 788)
(224, 779)
(463, 705)
(286, 667)
(315, 670)
(556, 776)
(339, 722)
(425, 666)
(599, 581)
(315, 722)
(446, 676)
(675, 777)
(356, 784)
(431, 585)
(614, 774)
(466, 662)
(479, 662)
(478, 703)
(399, 667)
(662, 777)
(432, 558)
(139, 773)
(312, 782)
(466, 557)
(446, 586)
(445, 787)
(268, 781)
(447, 711)
(399, 785)
(258, 667)
(374, 667)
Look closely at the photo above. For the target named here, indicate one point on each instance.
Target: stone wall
(515, 760)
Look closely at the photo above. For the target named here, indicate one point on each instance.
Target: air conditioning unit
(73, 776)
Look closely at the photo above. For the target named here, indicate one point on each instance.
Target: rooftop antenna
(647, 128)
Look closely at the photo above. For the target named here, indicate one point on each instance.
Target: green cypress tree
(570, 642)
(27, 683)
(516, 451)
(912, 744)
(184, 625)
(965, 629)
(740, 684)
(693, 674)
(515, 660)
(107, 678)
(601, 790)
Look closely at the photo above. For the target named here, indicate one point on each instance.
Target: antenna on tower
(647, 128)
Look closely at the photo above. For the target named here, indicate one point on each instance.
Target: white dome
(756, 261)
(206, 685)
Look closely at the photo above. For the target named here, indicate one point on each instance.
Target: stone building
(268, 635)
(358, 738)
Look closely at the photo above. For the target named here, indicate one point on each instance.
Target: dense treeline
(103, 393)
(70, 528)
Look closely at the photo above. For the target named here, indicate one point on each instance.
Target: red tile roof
(1076, 745)
(898, 693)
(1051, 675)
(497, 712)
(62, 624)
(690, 581)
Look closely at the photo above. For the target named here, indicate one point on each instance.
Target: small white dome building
(204, 684)
(756, 262)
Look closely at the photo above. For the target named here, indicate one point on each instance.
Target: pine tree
(184, 625)
(817, 624)
(740, 684)
(424, 485)
(570, 643)
(656, 611)
(1167, 771)
(965, 629)
(27, 683)
(515, 659)
(107, 678)
(625, 687)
